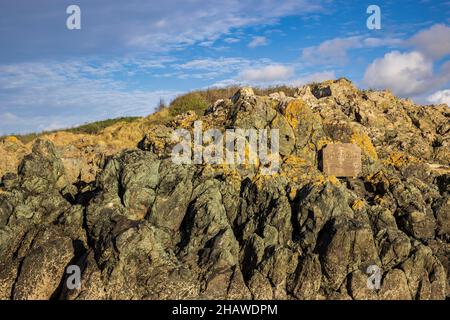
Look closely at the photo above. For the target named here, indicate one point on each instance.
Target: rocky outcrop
(147, 228)
(82, 154)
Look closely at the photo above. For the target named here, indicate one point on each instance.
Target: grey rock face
(151, 229)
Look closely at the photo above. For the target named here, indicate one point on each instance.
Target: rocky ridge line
(147, 228)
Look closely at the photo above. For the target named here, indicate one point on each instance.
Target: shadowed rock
(148, 228)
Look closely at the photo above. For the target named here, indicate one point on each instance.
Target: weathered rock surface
(147, 228)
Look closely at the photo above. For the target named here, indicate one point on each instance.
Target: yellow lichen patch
(358, 204)
(305, 156)
(399, 159)
(273, 104)
(293, 193)
(363, 141)
(294, 111)
(311, 146)
(261, 180)
(320, 180)
(378, 179)
(11, 139)
(324, 179)
(294, 175)
(333, 180)
(244, 160)
(295, 161)
(322, 142)
(231, 173)
(186, 121)
(396, 159)
(297, 169)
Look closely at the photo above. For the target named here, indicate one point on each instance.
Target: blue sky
(129, 54)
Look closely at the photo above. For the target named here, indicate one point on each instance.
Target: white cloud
(206, 44)
(231, 40)
(275, 75)
(433, 42)
(412, 73)
(225, 83)
(314, 77)
(258, 41)
(8, 117)
(405, 74)
(45, 95)
(197, 21)
(380, 42)
(150, 26)
(335, 51)
(330, 51)
(269, 73)
(442, 96)
(210, 68)
(227, 64)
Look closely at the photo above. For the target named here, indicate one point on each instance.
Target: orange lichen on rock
(358, 204)
(399, 159)
(296, 110)
(363, 141)
(11, 139)
(295, 161)
(322, 142)
(322, 179)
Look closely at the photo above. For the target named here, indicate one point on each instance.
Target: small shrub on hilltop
(199, 100)
(213, 94)
(193, 101)
(97, 127)
(289, 91)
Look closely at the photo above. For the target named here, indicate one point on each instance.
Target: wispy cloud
(193, 22)
(442, 96)
(114, 27)
(232, 40)
(414, 73)
(434, 42)
(314, 77)
(37, 96)
(404, 73)
(258, 41)
(269, 73)
(218, 67)
(225, 64)
(275, 74)
(335, 51)
(127, 54)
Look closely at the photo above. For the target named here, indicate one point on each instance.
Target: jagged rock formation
(147, 228)
(83, 155)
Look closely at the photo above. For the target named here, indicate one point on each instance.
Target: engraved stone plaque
(342, 160)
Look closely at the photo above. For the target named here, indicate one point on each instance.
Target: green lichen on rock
(148, 228)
